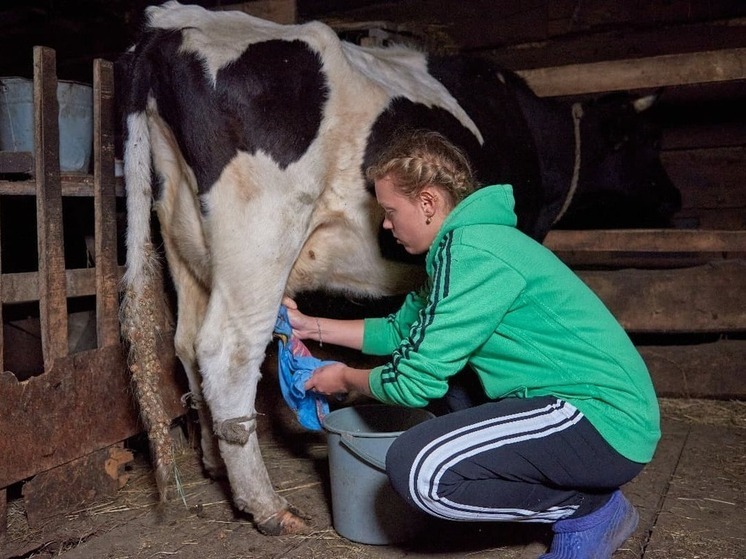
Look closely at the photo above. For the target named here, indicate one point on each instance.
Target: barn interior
(74, 471)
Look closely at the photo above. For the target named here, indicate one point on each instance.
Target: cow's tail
(142, 307)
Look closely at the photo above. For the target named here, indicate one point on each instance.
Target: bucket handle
(348, 441)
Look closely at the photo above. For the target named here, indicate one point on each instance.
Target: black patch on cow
(507, 154)
(277, 90)
(622, 180)
(621, 183)
(270, 99)
(401, 115)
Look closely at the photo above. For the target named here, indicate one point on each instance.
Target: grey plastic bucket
(75, 120)
(365, 508)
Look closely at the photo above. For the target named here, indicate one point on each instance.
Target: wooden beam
(709, 370)
(104, 202)
(639, 73)
(23, 287)
(279, 11)
(646, 240)
(52, 296)
(710, 298)
(73, 184)
(16, 162)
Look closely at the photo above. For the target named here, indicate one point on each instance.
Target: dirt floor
(691, 498)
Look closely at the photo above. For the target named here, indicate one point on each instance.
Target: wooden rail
(647, 240)
(72, 184)
(695, 281)
(638, 73)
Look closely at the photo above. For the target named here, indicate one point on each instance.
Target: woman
(570, 412)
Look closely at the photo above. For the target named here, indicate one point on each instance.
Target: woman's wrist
(346, 333)
(357, 380)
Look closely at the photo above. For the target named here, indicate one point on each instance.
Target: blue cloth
(295, 365)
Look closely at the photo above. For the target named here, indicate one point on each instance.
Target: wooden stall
(61, 428)
(680, 292)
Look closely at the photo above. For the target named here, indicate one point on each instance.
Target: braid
(422, 158)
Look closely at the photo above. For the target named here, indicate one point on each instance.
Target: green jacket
(505, 305)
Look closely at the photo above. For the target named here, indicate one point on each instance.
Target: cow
(250, 140)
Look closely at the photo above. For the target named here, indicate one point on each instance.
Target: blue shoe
(597, 535)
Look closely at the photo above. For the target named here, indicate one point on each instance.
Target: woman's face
(407, 218)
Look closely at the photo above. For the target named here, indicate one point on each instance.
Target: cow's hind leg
(230, 357)
(254, 237)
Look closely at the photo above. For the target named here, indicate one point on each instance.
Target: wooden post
(3, 513)
(2, 322)
(104, 202)
(52, 288)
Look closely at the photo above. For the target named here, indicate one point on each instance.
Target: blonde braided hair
(419, 158)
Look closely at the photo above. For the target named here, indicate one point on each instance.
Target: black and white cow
(258, 135)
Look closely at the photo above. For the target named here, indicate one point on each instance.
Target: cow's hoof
(285, 522)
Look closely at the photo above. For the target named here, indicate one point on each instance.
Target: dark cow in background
(257, 135)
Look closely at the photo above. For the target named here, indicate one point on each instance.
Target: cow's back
(305, 112)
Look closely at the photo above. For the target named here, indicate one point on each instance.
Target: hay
(297, 470)
(702, 545)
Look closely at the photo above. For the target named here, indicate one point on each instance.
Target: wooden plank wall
(547, 33)
(680, 293)
(683, 281)
(638, 73)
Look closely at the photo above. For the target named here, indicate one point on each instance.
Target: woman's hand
(338, 378)
(328, 380)
(347, 333)
(304, 326)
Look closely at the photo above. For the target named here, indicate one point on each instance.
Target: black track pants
(531, 460)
